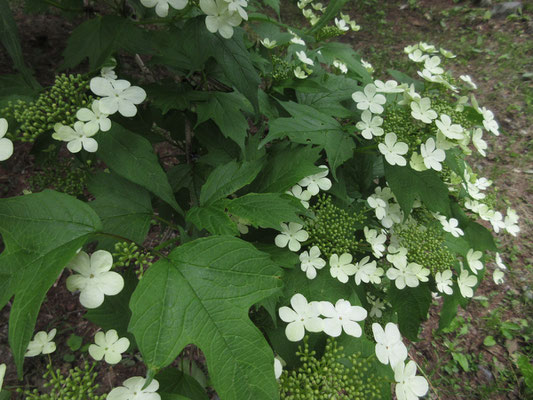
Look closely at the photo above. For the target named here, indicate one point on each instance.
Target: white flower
(366, 65)
(496, 220)
(278, 367)
(417, 56)
(489, 122)
(117, 95)
(409, 95)
(451, 226)
(409, 49)
(511, 222)
(408, 385)
(379, 205)
(394, 215)
(41, 344)
(432, 155)
(342, 67)
(406, 275)
(6, 145)
(478, 142)
(303, 58)
(269, 44)
(341, 267)
(388, 87)
(389, 346)
(468, 80)
(317, 182)
(397, 256)
(132, 389)
(94, 279)
(432, 65)
(296, 39)
(417, 162)
(342, 316)
(76, 138)
(368, 272)
(161, 6)
(418, 271)
(341, 25)
(370, 125)
(393, 150)
(422, 111)
(444, 281)
(238, 6)
(482, 183)
(303, 316)
(466, 282)
(447, 53)
(451, 131)
(108, 73)
(499, 262)
(428, 48)
(497, 276)
(219, 18)
(300, 194)
(300, 73)
(292, 235)
(95, 120)
(474, 260)
(109, 346)
(377, 307)
(311, 261)
(376, 241)
(3, 368)
(369, 99)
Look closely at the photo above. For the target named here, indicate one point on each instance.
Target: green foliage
(64, 175)
(411, 305)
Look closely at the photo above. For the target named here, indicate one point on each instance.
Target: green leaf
(449, 309)
(132, 157)
(100, 37)
(212, 218)
(201, 295)
(124, 207)
(41, 232)
(479, 237)
(274, 4)
(489, 341)
(526, 369)
(227, 179)
(15, 87)
(74, 342)
(225, 110)
(266, 210)
(411, 305)
(345, 53)
(173, 382)
(408, 184)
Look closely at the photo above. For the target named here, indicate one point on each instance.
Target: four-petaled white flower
(489, 122)
(377, 307)
(403, 275)
(417, 162)
(421, 110)
(311, 261)
(94, 119)
(408, 385)
(417, 56)
(117, 95)
(497, 276)
(376, 241)
(269, 44)
(468, 80)
(432, 155)
(451, 226)
(428, 48)
(300, 73)
(108, 346)
(389, 87)
(474, 260)
(3, 368)
(444, 281)
(108, 73)
(317, 182)
(161, 6)
(499, 262)
(303, 58)
(303, 316)
(342, 67)
(292, 235)
(393, 150)
(41, 344)
(451, 131)
(342, 316)
(432, 65)
(341, 25)
(219, 18)
(447, 53)
(511, 222)
(94, 279)
(369, 99)
(6, 145)
(478, 142)
(368, 272)
(238, 6)
(133, 389)
(366, 65)
(466, 282)
(76, 138)
(379, 205)
(370, 125)
(303, 195)
(341, 267)
(389, 346)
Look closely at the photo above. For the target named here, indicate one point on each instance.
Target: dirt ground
(498, 53)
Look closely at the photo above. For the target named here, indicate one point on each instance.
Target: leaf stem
(166, 222)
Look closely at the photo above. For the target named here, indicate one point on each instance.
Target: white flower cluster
(404, 273)
(385, 206)
(306, 316)
(162, 6)
(223, 15)
(115, 95)
(6, 145)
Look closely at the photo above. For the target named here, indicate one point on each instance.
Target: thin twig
(144, 69)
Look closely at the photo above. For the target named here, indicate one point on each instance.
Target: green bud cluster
(58, 104)
(425, 246)
(334, 376)
(333, 229)
(328, 32)
(406, 128)
(77, 384)
(128, 253)
(281, 69)
(62, 175)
